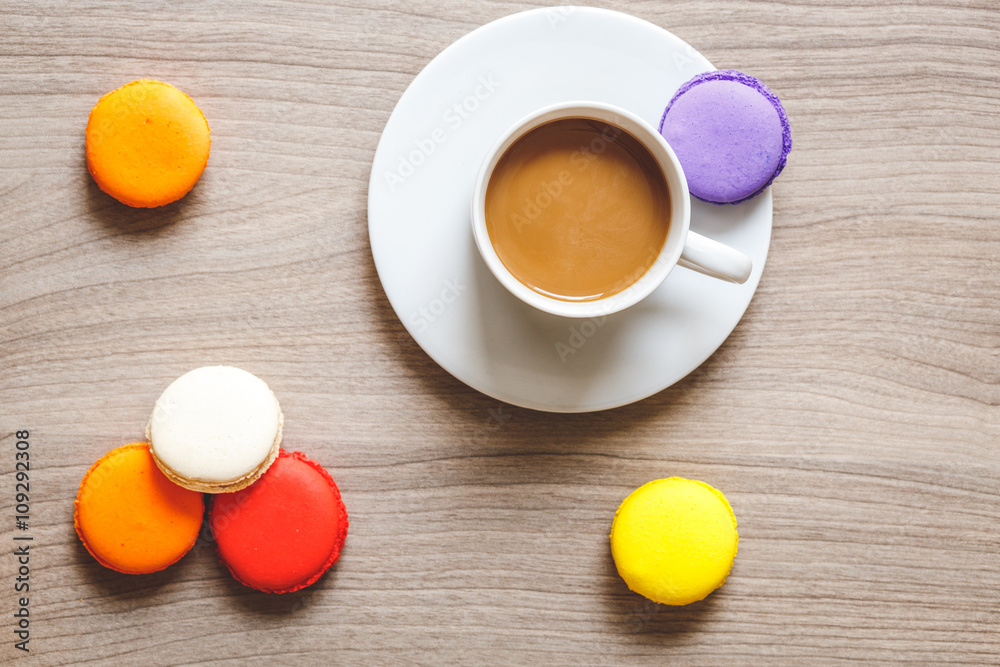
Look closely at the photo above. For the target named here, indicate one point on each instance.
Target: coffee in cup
(577, 209)
(582, 209)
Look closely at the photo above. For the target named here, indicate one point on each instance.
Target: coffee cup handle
(714, 259)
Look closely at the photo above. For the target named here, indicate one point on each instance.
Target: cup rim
(680, 209)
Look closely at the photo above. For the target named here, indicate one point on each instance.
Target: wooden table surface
(852, 419)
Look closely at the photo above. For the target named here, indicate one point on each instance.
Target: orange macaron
(147, 143)
(130, 517)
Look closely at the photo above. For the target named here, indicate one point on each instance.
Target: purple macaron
(730, 134)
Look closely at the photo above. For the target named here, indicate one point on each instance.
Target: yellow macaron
(674, 540)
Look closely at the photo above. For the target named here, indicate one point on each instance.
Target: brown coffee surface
(577, 209)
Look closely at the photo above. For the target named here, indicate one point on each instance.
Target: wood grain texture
(852, 419)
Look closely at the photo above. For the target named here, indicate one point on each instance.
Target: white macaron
(215, 429)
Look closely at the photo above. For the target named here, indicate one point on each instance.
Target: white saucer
(419, 219)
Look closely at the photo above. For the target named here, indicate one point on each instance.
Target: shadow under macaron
(124, 591)
(122, 218)
(631, 613)
(250, 600)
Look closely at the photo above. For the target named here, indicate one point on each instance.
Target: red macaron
(281, 533)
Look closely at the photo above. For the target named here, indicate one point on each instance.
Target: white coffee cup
(682, 246)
